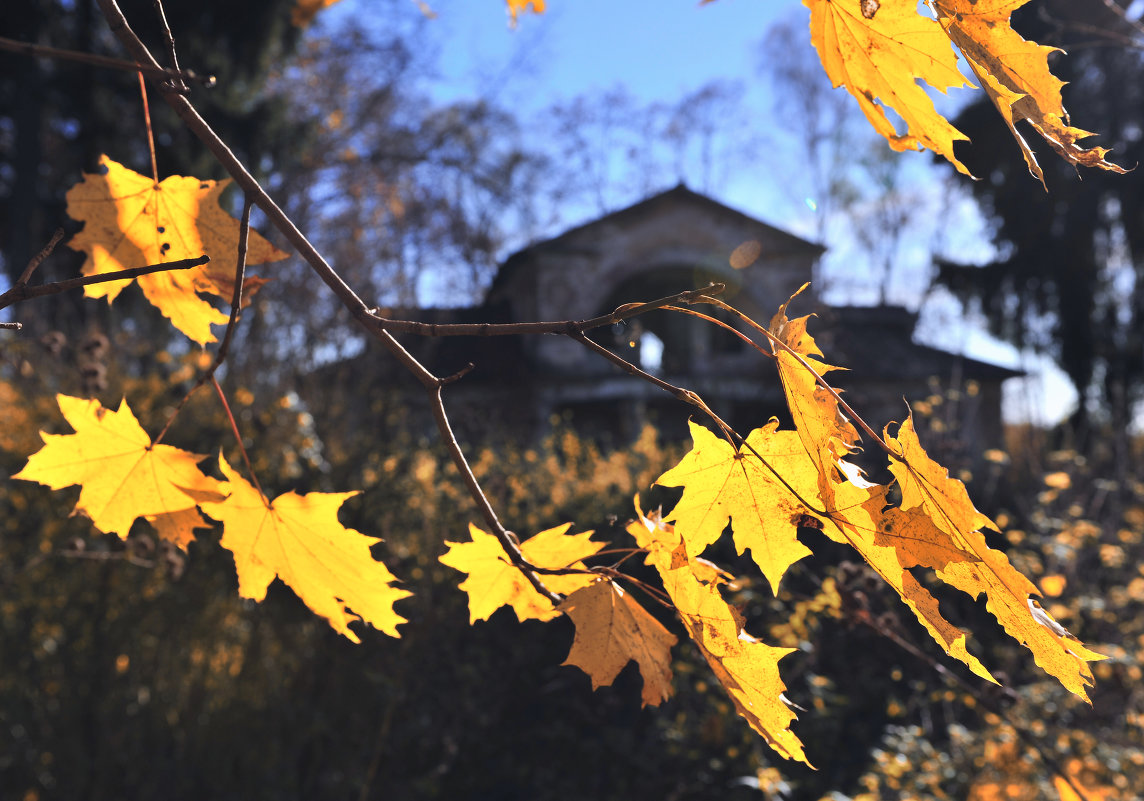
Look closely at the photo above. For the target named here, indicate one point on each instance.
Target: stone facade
(671, 242)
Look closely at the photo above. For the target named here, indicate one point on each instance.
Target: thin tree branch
(507, 541)
(169, 39)
(40, 51)
(38, 259)
(685, 395)
(569, 327)
(238, 438)
(818, 379)
(20, 293)
(730, 328)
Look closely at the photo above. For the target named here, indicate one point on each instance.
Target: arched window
(665, 342)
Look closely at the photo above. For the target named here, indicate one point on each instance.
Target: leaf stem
(238, 439)
(56, 54)
(235, 303)
(150, 133)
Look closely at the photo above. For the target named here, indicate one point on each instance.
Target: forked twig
(56, 54)
(38, 259)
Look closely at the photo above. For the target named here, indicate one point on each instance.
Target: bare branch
(279, 219)
(169, 39)
(569, 327)
(20, 293)
(38, 259)
(40, 51)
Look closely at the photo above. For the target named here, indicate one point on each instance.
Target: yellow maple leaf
(656, 536)
(936, 525)
(927, 486)
(885, 539)
(747, 669)
(612, 629)
(761, 501)
(494, 582)
(121, 474)
(130, 221)
(518, 7)
(882, 53)
(1015, 75)
(298, 539)
(826, 433)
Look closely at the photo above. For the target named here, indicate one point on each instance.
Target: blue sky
(664, 50)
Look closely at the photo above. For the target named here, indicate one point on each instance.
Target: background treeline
(128, 669)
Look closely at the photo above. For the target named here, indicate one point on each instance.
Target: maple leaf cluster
(885, 51)
(761, 487)
(123, 476)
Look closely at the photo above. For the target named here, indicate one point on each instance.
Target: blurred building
(668, 243)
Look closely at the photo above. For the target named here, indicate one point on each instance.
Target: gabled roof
(876, 342)
(649, 207)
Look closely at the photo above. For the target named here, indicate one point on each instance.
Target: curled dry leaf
(747, 668)
(886, 53)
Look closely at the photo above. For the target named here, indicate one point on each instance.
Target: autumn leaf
(747, 668)
(518, 7)
(891, 541)
(121, 474)
(935, 526)
(130, 221)
(927, 486)
(760, 497)
(856, 510)
(883, 53)
(612, 629)
(494, 581)
(826, 433)
(656, 537)
(298, 539)
(1015, 75)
